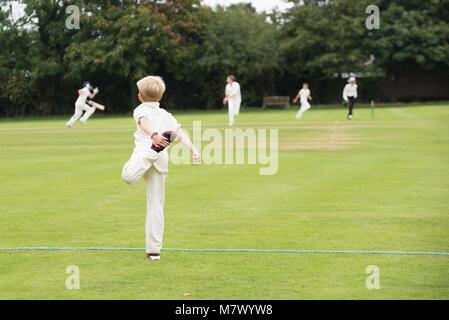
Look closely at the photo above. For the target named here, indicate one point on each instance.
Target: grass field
(370, 184)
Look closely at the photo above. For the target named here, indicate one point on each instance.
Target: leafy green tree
(413, 35)
(16, 91)
(321, 39)
(325, 38)
(42, 63)
(46, 19)
(124, 41)
(241, 42)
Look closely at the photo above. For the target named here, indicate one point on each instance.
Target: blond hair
(151, 88)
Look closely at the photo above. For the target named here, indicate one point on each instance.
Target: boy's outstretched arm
(296, 98)
(184, 139)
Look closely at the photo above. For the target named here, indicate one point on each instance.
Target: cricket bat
(96, 105)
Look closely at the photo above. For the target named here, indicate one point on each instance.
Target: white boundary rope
(229, 250)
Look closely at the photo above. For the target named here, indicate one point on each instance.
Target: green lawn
(370, 184)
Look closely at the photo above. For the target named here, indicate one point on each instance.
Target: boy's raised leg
(138, 165)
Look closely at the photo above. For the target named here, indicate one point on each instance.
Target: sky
(260, 5)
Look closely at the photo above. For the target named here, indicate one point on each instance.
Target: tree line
(194, 47)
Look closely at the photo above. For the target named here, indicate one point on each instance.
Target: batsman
(85, 104)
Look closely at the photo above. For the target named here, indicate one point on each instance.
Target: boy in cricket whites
(304, 96)
(156, 129)
(83, 104)
(233, 98)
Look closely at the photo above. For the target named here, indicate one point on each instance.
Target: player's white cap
(351, 79)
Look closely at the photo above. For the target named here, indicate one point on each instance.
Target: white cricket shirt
(350, 90)
(83, 95)
(160, 121)
(233, 92)
(304, 95)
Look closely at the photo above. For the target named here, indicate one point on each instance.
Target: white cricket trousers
(79, 108)
(140, 166)
(304, 107)
(233, 110)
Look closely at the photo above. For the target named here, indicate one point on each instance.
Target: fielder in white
(152, 121)
(87, 92)
(304, 96)
(233, 98)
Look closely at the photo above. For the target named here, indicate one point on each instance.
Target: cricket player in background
(233, 98)
(350, 95)
(82, 104)
(304, 96)
(156, 128)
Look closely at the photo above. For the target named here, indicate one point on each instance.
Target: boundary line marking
(229, 250)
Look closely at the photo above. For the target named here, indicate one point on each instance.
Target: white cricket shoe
(153, 257)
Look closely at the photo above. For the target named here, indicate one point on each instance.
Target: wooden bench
(277, 101)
